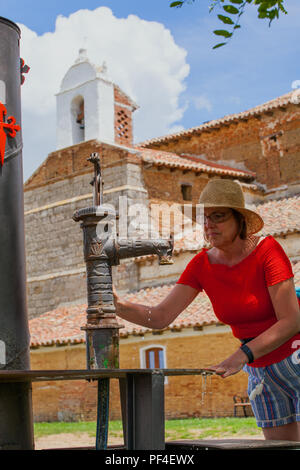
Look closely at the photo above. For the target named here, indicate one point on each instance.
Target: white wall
(82, 82)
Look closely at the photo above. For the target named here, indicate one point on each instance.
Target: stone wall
(54, 242)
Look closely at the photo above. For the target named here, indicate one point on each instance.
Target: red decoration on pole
(24, 69)
(9, 124)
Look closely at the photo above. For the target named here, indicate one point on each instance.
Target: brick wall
(72, 161)
(123, 119)
(268, 144)
(71, 400)
(123, 125)
(165, 184)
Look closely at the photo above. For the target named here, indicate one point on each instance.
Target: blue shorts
(279, 401)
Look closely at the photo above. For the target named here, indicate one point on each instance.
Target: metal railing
(142, 400)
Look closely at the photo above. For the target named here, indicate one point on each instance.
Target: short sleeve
(190, 276)
(277, 266)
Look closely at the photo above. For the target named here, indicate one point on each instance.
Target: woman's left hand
(232, 365)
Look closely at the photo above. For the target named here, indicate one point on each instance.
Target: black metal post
(16, 427)
(102, 414)
(142, 399)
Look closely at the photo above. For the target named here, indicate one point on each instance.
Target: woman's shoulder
(267, 242)
(200, 256)
(270, 248)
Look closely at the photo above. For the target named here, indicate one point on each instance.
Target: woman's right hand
(115, 294)
(116, 297)
(161, 315)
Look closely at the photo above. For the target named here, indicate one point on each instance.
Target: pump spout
(126, 248)
(165, 255)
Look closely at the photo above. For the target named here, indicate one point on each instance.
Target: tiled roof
(62, 325)
(186, 162)
(280, 216)
(281, 101)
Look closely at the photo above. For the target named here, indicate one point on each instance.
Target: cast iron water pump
(101, 252)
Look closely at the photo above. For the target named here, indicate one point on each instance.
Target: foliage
(266, 9)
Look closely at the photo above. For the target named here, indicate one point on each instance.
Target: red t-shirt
(239, 293)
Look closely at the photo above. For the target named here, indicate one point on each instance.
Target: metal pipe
(16, 424)
(102, 414)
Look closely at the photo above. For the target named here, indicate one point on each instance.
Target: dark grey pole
(16, 424)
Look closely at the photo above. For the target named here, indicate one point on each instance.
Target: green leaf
(262, 8)
(231, 9)
(219, 45)
(176, 4)
(237, 26)
(222, 32)
(237, 1)
(225, 19)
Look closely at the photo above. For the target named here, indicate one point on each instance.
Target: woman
(249, 281)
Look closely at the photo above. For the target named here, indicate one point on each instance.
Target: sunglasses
(218, 217)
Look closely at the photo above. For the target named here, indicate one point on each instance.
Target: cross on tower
(10, 124)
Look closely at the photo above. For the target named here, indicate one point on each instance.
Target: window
(186, 191)
(78, 120)
(122, 125)
(80, 115)
(153, 357)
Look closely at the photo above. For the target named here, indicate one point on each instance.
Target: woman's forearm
(137, 313)
(263, 344)
(273, 337)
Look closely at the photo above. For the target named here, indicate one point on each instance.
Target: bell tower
(89, 106)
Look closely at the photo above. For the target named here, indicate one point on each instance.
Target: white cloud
(202, 102)
(142, 58)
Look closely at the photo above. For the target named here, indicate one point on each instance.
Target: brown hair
(241, 224)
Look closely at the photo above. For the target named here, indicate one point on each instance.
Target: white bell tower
(85, 104)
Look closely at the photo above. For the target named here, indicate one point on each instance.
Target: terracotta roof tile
(280, 216)
(173, 160)
(62, 325)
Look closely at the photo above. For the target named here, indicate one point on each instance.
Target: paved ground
(84, 440)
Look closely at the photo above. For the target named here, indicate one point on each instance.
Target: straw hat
(227, 193)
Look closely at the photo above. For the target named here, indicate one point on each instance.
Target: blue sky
(258, 64)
